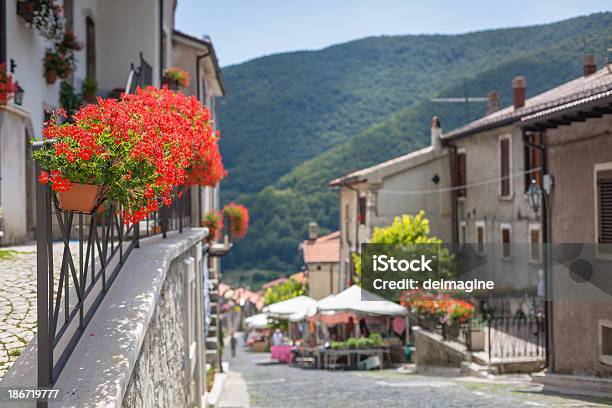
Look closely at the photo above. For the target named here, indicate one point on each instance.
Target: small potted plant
(69, 100)
(56, 65)
(89, 88)
(7, 86)
(458, 312)
(25, 9)
(476, 334)
(238, 219)
(48, 20)
(175, 78)
(214, 222)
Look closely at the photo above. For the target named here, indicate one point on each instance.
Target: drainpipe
(2, 31)
(546, 261)
(161, 41)
(199, 95)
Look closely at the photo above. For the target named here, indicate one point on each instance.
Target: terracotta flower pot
(25, 9)
(90, 98)
(51, 76)
(81, 198)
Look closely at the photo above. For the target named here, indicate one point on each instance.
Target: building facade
(373, 197)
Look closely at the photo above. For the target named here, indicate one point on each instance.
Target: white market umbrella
(258, 321)
(286, 308)
(350, 300)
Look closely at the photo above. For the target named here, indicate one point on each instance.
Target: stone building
(322, 260)
(374, 196)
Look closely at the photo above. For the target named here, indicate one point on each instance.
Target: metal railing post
(43, 291)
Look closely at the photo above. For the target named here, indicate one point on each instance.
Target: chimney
(493, 102)
(313, 231)
(589, 66)
(518, 92)
(436, 132)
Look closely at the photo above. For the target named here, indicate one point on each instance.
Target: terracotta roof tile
(576, 89)
(323, 249)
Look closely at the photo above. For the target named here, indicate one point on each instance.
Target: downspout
(161, 41)
(546, 262)
(2, 31)
(199, 95)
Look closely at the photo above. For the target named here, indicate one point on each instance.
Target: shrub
(214, 222)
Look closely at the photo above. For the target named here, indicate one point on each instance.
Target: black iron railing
(510, 338)
(140, 76)
(75, 272)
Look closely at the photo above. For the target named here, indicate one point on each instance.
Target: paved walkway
(276, 385)
(235, 393)
(18, 300)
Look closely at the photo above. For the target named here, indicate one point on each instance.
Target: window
(535, 243)
(90, 47)
(533, 160)
(505, 166)
(506, 233)
(463, 232)
(480, 237)
(361, 210)
(460, 173)
(605, 341)
(603, 174)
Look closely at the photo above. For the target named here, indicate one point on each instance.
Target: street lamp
(19, 95)
(534, 196)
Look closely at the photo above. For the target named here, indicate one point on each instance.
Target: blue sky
(246, 29)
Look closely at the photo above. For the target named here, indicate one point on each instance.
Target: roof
(204, 43)
(576, 89)
(299, 277)
(389, 167)
(323, 249)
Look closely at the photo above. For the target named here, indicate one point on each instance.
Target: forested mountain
(294, 121)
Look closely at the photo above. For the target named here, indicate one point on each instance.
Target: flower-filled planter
(89, 88)
(138, 148)
(175, 78)
(82, 198)
(56, 65)
(214, 222)
(238, 217)
(26, 9)
(7, 86)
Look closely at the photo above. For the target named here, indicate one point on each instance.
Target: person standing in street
(233, 342)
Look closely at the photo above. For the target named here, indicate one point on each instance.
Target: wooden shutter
(505, 242)
(604, 206)
(535, 244)
(362, 210)
(90, 50)
(504, 147)
(460, 174)
(533, 160)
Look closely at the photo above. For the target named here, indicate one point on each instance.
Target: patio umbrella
(286, 308)
(356, 299)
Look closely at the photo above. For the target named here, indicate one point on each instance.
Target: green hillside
(294, 121)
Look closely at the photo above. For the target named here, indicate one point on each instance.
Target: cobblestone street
(18, 300)
(278, 385)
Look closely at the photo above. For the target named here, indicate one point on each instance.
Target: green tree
(284, 291)
(410, 236)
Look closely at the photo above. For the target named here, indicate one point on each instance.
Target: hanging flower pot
(51, 76)
(175, 78)
(26, 9)
(82, 198)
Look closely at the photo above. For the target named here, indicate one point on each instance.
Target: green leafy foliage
(284, 291)
(321, 114)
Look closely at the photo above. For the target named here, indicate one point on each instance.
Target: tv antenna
(466, 100)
